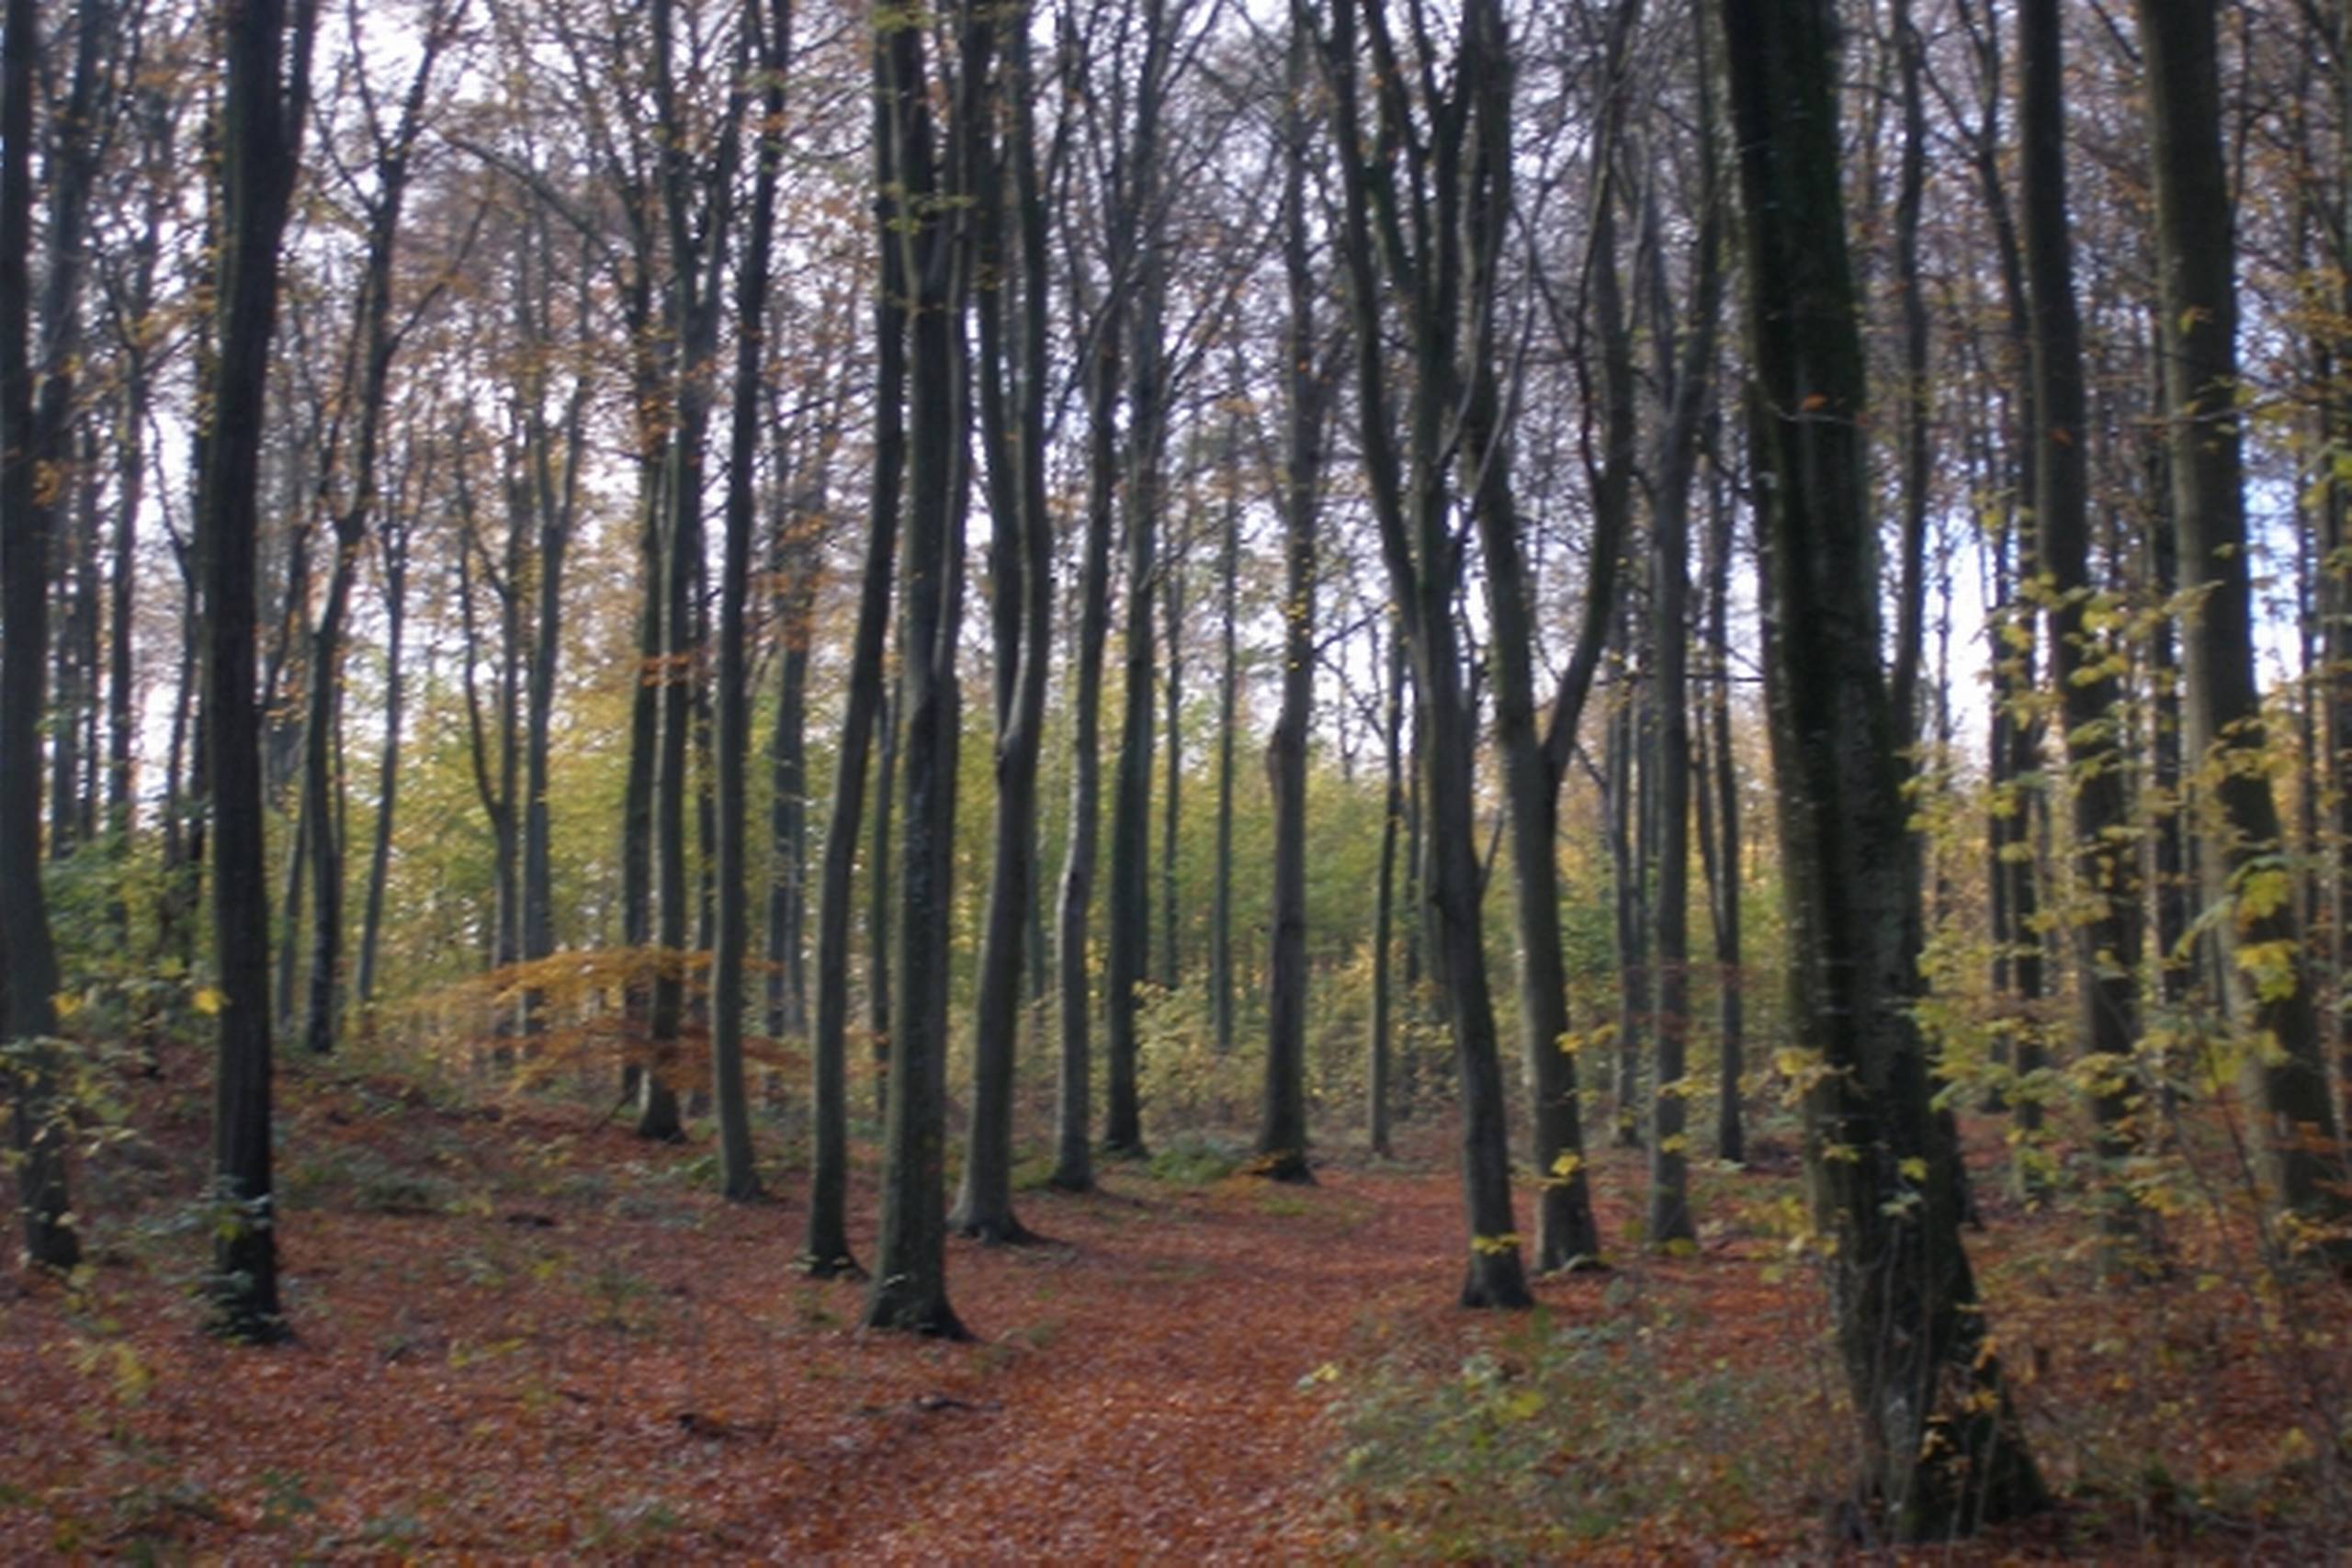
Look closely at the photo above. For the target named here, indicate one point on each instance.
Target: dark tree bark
(1281, 1126)
(2336, 584)
(1411, 179)
(2300, 1138)
(1941, 1451)
(1138, 242)
(2108, 933)
(28, 954)
(1731, 1136)
(825, 1249)
(1012, 394)
(696, 186)
(739, 1177)
(264, 103)
(881, 896)
(74, 141)
(1686, 383)
(1378, 1086)
(1073, 1151)
(909, 1286)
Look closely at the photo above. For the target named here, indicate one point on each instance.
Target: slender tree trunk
(2108, 933)
(1141, 244)
(393, 543)
(738, 1175)
(1172, 580)
(694, 203)
(1013, 393)
(556, 497)
(825, 1251)
(1073, 1151)
(1731, 1138)
(787, 904)
(2286, 1077)
(1379, 1087)
(265, 102)
(1282, 1127)
(881, 895)
(1221, 998)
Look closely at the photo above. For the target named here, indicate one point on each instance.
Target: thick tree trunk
(27, 956)
(909, 1286)
(1941, 1451)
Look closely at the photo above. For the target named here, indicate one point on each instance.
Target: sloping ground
(520, 1335)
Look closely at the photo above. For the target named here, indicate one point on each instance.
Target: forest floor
(519, 1332)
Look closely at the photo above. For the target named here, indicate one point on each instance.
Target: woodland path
(523, 1336)
(520, 1334)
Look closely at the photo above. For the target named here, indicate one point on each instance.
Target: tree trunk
(1411, 506)
(909, 1286)
(1221, 988)
(1378, 1087)
(265, 102)
(825, 1250)
(2286, 1076)
(1073, 1152)
(738, 1175)
(1013, 378)
(1731, 1138)
(28, 954)
(393, 543)
(2108, 932)
(1941, 1451)
(1282, 1127)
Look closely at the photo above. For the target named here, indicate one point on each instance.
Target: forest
(1107, 780)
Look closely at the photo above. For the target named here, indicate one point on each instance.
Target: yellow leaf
(1913, 1169)
(209, 1001)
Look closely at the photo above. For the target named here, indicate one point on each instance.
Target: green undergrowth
(1562, 1435)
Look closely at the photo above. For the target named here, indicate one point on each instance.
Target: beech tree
(1417, 174)
(28, 953)
(1942, 1449)
(937, 175)
(2286, 1073)
(265, 101)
